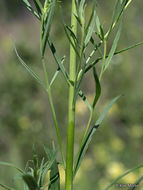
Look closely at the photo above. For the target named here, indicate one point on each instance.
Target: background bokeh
(25, 117)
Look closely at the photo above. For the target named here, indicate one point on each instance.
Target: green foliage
(91, 32)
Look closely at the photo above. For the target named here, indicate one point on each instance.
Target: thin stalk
(104, 59)
(71, 109)
(48, 89)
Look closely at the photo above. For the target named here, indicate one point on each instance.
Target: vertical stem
(71, 109)
(48, 89)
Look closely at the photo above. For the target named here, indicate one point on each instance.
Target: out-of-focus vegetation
(25, 118)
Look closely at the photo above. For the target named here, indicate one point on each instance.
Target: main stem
(71, 109)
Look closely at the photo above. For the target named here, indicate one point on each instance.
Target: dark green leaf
(98, 87)
(38, 6)
(29, 7)
(30, 181)
(90, 135)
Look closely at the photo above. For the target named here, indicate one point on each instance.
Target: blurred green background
(25, 117)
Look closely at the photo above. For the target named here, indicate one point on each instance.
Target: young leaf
(98, 88)
(29, 7)
(30, 181)
(48, 26)
(32, 73)
(113, 48)
(124, 174)
(90, 135)
(11, 165)
(6, 187)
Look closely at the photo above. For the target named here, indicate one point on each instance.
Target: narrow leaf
(32, 73)
(38, 6)
(90, 30)
(136, 183)
(29, 7)
(6, 187)
(98, 87)
(113, 48)
(58, 61)
(124, 174)
(11, 165)
(90, 135)
(48, 26)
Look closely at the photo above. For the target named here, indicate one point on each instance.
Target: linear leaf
(116, 53)
(48, 25)
(90, 30)
(90, 135)
(98, 88)
(38, 6)
(83, 97)
(11, 165)
(113, 48)
(30, 181)
(29, 7)
(32, 73)
(57, 59)
(91, 16)
(6, 187)
(124, 174)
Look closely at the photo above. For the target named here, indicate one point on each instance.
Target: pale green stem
(48, 89)
(71, 109)
(104, 59)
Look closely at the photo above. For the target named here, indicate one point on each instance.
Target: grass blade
(6, 187)
(32, 73)
(11, 165)
(90, 135)
(114, 46)
(124, 174)
(29, 7)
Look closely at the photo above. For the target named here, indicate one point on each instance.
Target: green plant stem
(48, 89)
(71, 109)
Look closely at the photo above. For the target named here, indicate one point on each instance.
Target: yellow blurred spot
(81, 107)
(130, 178)
(117, 144)
(137, 131)
(24, 122)
(87, 163)
(114, 169)
(62, 175)
(6, 43)
(101, 154)
(114, 109)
